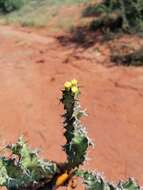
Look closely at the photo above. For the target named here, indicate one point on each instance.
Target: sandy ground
(33, 69)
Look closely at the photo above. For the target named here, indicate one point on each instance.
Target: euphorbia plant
(75, 133)
(24, 170)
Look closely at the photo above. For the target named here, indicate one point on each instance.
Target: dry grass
(41, 13)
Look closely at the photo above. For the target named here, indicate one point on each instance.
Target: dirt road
(33, 69)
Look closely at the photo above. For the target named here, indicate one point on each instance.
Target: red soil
(33, 69)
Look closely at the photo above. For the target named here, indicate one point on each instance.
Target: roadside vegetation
(118, 16)
(125, 15)
(41, 13)
(7, 6)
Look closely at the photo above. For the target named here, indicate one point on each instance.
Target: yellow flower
(74, 82)
(75, 90)
(67, 85)
(61, 179)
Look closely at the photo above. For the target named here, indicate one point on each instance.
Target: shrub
(124, 14)
(134, 58)
(24, 170)
(10, 5)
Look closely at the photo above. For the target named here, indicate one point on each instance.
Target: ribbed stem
(75, 133)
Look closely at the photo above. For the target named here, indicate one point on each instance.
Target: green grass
(38, 13)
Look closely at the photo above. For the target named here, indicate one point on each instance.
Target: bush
(10, 5)
(134, 58)
(124, 14)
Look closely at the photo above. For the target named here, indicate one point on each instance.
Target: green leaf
(129, 185)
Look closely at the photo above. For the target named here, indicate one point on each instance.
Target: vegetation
(135, 58)
(117, 14)
(23, 169)
(31, 14)
(7, 6)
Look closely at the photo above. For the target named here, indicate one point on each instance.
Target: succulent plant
(78, 142)
(75, 133)
(24, 170)
(95, 181)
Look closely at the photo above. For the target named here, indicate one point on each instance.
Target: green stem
(75, 133)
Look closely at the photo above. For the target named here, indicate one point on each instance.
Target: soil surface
(33, 68)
